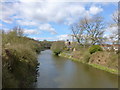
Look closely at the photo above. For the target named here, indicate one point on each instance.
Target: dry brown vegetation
(108, 59)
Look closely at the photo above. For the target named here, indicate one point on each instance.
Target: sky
(49, 19)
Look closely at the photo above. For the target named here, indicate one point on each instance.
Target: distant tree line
(46, 44)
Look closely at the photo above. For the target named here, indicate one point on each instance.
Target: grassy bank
(92, 55)
(19, 60)
(110, 70)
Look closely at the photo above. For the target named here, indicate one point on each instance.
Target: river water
(59, 72)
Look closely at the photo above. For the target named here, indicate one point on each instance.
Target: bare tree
(90, 28)
(18, 30)
(115, 24)
(77, 32)
(116, 16)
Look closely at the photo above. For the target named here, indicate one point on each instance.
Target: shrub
(19, 60)
(76, 46)
(46, 44)
(86, 57)
(9, 80)
(57, 47)
(94, 49)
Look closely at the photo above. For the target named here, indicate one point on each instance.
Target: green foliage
(94, 49)
(113, 71)
(57, 47)
(46, 44)
(19, 60)
(86, 57)
(9, 80)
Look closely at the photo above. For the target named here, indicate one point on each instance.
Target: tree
(57, 47)
(77, 32)
(18, 30)
(115, 34)
(94, 28)
(115, 17)
(89, 29)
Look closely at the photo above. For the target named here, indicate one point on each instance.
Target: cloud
(46, 11)
(26, 23)
(94, 10)
(30, 31)
(47, 27)
(7, 20)
(63, 37)
(42, 13)
(61, 0)
(43, 38)
(59, 37)
(7, 10)
(1, 25)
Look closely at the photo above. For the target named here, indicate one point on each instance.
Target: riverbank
(67, 55)
(19, 60)
(59, 72)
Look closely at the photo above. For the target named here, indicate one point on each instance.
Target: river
(59, 72)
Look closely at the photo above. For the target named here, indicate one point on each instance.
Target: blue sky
(51, 20)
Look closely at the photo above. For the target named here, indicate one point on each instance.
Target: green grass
(68, 56)
(113, 71)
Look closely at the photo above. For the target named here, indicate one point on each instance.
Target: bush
(94, 49)
(76, 46)
(19, 60)
(57, 47)
(46, 44)
(86, 57)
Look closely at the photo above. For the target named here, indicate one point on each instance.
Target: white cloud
(7, 20)
(41, 13)
(46, 11)
(59, 37)
(43, 38)
(94, 10)
(1, 24)
(63, 37)
(47, 27)
(61, 0)
(26, 23)
(31, 31)
(7, 11)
